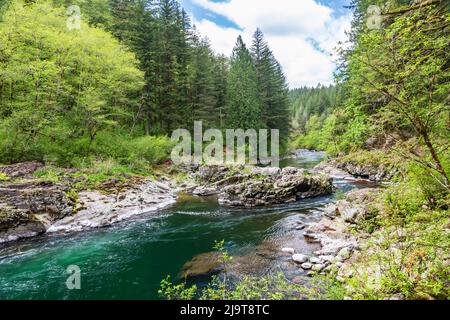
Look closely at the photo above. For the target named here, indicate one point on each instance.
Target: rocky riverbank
(374, 166)
(30, 206)
(333, 233)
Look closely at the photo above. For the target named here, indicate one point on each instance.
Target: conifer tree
(244, 103)
(272, 87)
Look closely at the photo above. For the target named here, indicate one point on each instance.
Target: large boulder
(358, 204)
(250, 186)
(349, 212)
(289, 185)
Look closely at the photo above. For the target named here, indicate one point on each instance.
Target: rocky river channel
(128, 259)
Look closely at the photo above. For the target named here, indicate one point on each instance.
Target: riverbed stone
(288, 250)
(306, 266)
(317, 267)
(344, 254)
(299, 258)
(315, 260)
(202, 264)
(327, 259)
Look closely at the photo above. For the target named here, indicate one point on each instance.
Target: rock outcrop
(29, 207)
(20, 170)
(95, 209)
(377, 172)
(256, 187)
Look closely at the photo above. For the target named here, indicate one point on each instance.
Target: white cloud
(288, 26)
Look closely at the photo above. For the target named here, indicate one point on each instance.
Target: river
(129, 259)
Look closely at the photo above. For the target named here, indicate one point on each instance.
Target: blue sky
(302, 33)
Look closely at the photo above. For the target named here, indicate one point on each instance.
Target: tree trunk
(434, 155)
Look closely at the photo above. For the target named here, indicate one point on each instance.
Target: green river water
(128, 260)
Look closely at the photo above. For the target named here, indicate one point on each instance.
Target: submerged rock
(202, 264)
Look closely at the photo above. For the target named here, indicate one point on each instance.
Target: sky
(301, 33)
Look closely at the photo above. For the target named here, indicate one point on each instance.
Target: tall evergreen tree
(272, 87)
(244, 102)
(202, 87)
(220, 73)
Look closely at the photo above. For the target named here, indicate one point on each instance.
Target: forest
(117, 87)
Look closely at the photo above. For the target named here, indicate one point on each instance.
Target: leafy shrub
(152, 149)
(3, 177)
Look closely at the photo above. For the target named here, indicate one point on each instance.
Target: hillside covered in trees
(313, 118)
(393, 89)
(118, 86)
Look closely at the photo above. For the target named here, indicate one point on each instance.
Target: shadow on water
(128, 260)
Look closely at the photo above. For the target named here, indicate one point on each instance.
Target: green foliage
(90, 175)
(408, 254)
(69, 96)
(3, 177)
(308, 102)
(272, 88)
(60, 87)
(398, 78)
(176, 292)
(155, 150)
(408, 251)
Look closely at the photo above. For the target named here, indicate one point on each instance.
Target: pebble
(299, 258)
(344, 253)
(288, 250)
(315, 260)
(307, 266)
(298, 280)
(318, 267)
